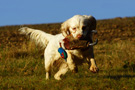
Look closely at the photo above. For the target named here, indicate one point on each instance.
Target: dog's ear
(92, 22)
(65, 28)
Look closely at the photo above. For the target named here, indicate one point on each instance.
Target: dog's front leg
(93, 66)
(72, 66)
(91, 61)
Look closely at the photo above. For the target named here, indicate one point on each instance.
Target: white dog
(78, 26)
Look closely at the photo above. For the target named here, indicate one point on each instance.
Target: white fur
(41, 38)
(51, 42)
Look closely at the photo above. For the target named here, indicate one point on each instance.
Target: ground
(22, 63)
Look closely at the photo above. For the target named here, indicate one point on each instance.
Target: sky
(20, 12)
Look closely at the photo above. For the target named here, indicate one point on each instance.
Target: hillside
(22, 63)
(108, 30)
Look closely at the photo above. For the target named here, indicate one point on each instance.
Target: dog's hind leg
(48, 62)
(62, 70)
(48, 70)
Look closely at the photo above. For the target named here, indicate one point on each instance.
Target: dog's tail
(39, 37)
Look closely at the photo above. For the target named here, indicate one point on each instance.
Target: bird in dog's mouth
(86, 41)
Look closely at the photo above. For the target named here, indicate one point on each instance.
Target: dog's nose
(79, 36)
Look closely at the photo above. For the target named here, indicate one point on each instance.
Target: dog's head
(79, 26)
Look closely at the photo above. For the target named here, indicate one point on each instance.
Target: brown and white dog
(78, 26)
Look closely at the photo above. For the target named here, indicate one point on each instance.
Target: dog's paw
(57, 77)
(94, 69)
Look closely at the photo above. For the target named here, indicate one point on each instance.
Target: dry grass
(22, 63)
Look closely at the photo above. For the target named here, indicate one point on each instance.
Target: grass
(22, 63)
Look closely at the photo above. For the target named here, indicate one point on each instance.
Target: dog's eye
(84, 27)
(74, 28)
